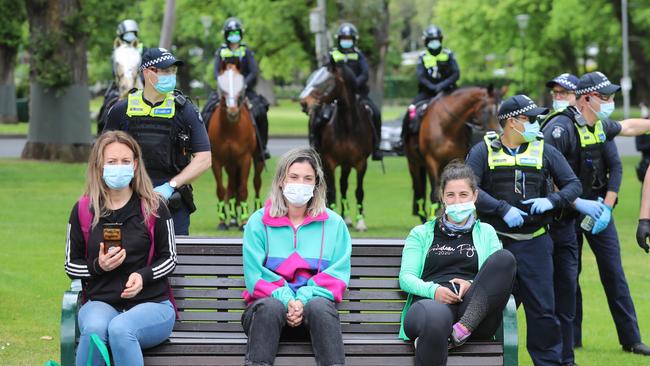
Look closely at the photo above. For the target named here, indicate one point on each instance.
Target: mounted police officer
(231, 51)
(517, 198)
(346, 51)
(437, 72)
(583, 134)
(174, 142)
(127, 32)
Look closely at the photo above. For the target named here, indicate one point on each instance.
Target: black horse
(346, 138)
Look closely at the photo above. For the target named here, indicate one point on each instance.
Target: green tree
(11, 21)
(488, 43)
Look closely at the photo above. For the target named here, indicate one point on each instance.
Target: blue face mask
(434, 44)
(606, 110)
(129, 37)
(234, 37)
(460, 211)
(346, 43)
(530, 130)
(559, 105)
(118, 176)
(166, 83)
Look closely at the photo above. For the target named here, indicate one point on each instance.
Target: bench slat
(180, 292)
(234, 260)
(235, 316)
(239, 282)
(236, 327)
(238, 270)
(230, 305)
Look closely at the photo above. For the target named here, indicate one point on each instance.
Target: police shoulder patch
(557, 132)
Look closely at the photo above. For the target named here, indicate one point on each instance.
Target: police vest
(226, 52)
(592, 168)
(345, 57)
(514, 179)
(160, 137)
(435, 64)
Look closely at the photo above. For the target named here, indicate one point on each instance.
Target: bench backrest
(209, 276)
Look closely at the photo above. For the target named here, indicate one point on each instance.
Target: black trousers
(431, 321)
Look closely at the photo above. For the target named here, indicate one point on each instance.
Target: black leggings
(481, 310)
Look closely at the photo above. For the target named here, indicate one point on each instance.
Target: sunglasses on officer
(603, 97)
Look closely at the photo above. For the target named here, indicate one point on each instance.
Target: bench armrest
(509, 333)
(69, 326)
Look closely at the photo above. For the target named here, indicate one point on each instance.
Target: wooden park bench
(208, 283)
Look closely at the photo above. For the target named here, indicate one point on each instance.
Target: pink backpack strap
(151, 226)
(85, 218)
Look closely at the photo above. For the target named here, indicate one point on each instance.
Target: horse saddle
(420, 109)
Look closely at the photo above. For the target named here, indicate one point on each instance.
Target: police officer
(127, 32)
(643, 229)
(174, 142)
(643, 146)
(347, 52)
(581, 133)
(437, 71)
(516, 197)
(233, 50)
(562, 229)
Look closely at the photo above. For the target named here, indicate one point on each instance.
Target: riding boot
(377, 153)
(403, 133)
(263, 123)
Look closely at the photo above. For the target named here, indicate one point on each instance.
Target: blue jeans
(143, 326)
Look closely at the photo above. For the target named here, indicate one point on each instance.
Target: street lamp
(522, 22)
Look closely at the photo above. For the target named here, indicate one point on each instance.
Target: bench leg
(69, 327)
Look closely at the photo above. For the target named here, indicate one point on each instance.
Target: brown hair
(97, 190)
(456, 170)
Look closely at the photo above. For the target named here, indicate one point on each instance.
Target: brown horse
(234, 148)
(444, 137)
(346, 139)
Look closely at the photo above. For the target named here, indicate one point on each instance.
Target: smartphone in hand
(112, 235)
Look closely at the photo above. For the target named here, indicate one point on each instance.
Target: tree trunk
(376, 82)
(59, 126)
(8, 113)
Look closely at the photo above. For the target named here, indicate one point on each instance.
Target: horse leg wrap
(360, 213)
(420, 204)
(221, 211)
(333, 207)
(231, 210)
(245, 213)
(434, 207)
(258, 204)
(345, 207)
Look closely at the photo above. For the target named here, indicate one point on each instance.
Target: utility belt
(182, 195)
(511, 237)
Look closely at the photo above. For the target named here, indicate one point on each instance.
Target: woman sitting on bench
(296, 265)
(457, 276)
(120, 243)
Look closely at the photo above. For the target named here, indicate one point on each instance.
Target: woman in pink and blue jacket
(296, 264)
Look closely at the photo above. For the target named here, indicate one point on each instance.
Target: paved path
(12, 147)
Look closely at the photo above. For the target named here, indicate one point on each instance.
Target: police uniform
(593, 156)
(356, 61)
(168, 133)
(506, 178)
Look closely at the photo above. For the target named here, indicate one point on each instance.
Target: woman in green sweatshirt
(457, 276)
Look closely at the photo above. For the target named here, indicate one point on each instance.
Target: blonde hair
(97, 190)
(316, 204)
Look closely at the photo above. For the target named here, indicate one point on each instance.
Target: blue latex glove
(514, 217)
(165, 190)
(603, 220)
(539, 205)
(589, 207)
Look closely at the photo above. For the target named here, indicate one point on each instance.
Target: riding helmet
(432, 32)
(127, 25)
(347, 30)
(232, 24)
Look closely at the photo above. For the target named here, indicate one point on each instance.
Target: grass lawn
(38, 197)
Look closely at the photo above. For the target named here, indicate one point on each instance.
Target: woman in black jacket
(120, 243)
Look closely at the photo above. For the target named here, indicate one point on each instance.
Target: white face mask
(298, 194)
